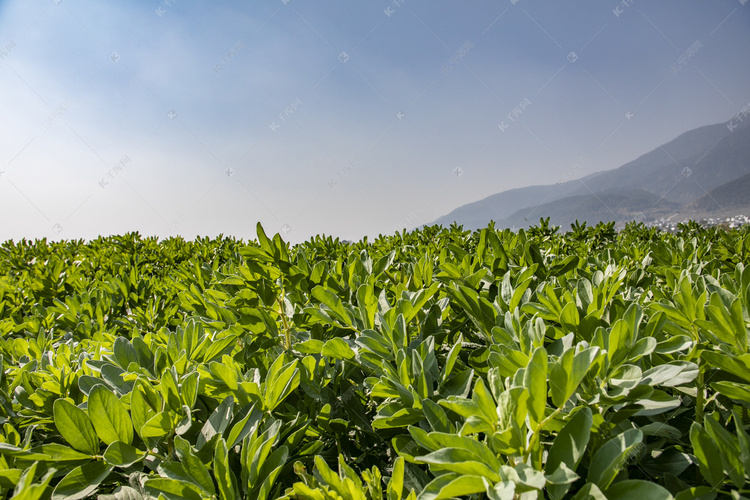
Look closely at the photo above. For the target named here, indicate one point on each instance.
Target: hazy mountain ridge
(611, 204)
(729, 196)
(672, 177)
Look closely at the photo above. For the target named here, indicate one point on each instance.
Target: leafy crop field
(440, 363)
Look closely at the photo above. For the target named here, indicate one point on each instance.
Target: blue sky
(344, 118)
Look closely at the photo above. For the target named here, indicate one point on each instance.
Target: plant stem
(695, 354)
(537, 433)
(699, 400)
(287, 333)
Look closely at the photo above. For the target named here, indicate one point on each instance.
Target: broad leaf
(217, 422)
(451, 485)
(82, 481)
(608, 459)
(122, 454)
(636, 488)
(109, 416)
(75, 427)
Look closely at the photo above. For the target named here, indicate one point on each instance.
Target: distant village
(728, 222)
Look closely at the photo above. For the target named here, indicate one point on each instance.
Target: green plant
(439, 363)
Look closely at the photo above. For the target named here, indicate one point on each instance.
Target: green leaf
(219, 348)
(9, 478)
(396, 483)
(480, 310)
(217, 422)
(82, 481)
(568, 264)
(451, 485)
(338, 349)
(255, 451)
(461, 461)
(270, 471)
(643, 347)
(185, 423)
(569, 317)
(124, 353)
(226, 374)
(736, 365)
(198, 472)
(743, 441)
(169, 389)
(569, 447)
(590, 491)
(707, 454)
(189, 389)
(510, 361)
(660, 429)
(158, 425)
(608, 459)
(436, 416)
(733, 390)
(265, 243)
(173, 489)
(280, 382)
(122, 454)
(726, 323)
(27, 490)
(335, 307)
(671, 374)
(346, 472)
(176, 470)
(636, 488)
(697, 493)
(567, 373)
(484, 401)
(311, 346)
(450, 360)
(27, 455)
(145, 403)
(87, 382)
(535, 381)
(388, 418)
(145, 356)
(677, 343)
(224, 476)
(75, 427)
(61, 453)
(113, 375)
(525, 476)
(450, 440)
(327, 476)
(244, 427)
(563, 476)
(109, 416)
(625, 377)
(729, 449)
(503, 490)
(665, 461)
(368, 305)
(122, 493)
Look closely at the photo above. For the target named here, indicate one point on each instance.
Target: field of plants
(440, 363)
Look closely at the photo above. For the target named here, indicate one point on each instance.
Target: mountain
(605, 206)
(730, 196)
(665, 180)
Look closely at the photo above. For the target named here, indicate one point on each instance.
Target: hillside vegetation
(435, 364)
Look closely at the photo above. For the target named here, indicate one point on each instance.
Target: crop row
(434, 364)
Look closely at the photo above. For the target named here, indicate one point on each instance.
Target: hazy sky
(339, 117)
